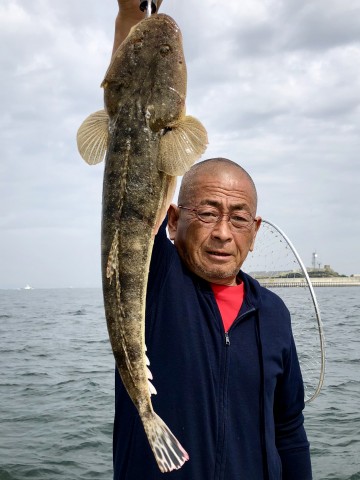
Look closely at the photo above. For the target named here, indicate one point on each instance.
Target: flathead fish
(148, 141)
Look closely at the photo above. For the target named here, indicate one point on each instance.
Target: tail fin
(168, 452)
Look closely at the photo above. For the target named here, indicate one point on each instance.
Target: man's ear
(173, 217)
(257, 226)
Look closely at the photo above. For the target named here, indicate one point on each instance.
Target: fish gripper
(144, 5)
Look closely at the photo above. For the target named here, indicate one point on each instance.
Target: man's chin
(220, 276)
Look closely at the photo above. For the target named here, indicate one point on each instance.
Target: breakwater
(316, 282)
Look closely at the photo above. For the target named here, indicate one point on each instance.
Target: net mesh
(277, 266)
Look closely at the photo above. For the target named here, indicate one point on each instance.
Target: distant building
(324, 272)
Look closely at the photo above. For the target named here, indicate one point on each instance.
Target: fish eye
(138, 45)
(164, 50)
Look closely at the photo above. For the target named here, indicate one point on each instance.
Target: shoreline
(316, 282)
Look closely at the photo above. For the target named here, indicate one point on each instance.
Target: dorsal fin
(182, 144)
(92, 137)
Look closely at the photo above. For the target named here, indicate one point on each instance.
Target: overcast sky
(275, 82)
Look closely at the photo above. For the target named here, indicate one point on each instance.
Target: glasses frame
(220, 217)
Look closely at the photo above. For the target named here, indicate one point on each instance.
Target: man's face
(215, 252)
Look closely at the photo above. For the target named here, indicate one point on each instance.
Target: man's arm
(128, 16)
(291, 439)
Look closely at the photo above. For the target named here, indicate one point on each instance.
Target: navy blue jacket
(233, 400)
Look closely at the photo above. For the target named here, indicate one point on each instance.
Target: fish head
(149, 69)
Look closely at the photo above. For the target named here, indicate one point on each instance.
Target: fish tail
(168, 452)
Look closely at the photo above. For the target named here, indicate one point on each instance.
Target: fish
(147, 140)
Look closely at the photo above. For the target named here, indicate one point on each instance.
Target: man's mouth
(218, 254)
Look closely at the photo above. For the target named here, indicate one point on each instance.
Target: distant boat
(27, 287)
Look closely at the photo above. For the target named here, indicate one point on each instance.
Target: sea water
(56, 386)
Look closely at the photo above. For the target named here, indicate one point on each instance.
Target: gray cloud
(275, 82)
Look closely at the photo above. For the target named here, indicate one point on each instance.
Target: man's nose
(222, 228)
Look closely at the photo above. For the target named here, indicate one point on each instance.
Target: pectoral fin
(92, 137)
(182, 144)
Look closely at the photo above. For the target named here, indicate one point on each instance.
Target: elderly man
(221, 348)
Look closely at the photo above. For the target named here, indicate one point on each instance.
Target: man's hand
(128, 16)
(128, 5)
(132, 5)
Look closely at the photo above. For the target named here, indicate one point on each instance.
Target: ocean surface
(56, 386)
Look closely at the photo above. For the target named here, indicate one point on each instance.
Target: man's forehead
(233, 202)
(223, 199)
(229, 182)
(218, 179)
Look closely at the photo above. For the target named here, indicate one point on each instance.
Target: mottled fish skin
(148, 141)
(144, 91)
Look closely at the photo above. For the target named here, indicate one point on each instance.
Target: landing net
(277, 266)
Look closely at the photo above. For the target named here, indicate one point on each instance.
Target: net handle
(316, 307)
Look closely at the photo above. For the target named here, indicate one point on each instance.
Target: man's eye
(239, 218)
(208, 214)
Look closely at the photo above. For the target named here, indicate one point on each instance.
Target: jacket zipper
(220, 467)
(227, 337)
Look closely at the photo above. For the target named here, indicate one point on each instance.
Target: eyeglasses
(239, 219)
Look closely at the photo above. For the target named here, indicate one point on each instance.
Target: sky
(275, 82)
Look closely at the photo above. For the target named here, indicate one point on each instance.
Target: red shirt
(229, 300)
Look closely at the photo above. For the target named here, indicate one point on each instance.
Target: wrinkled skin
(215, 252)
